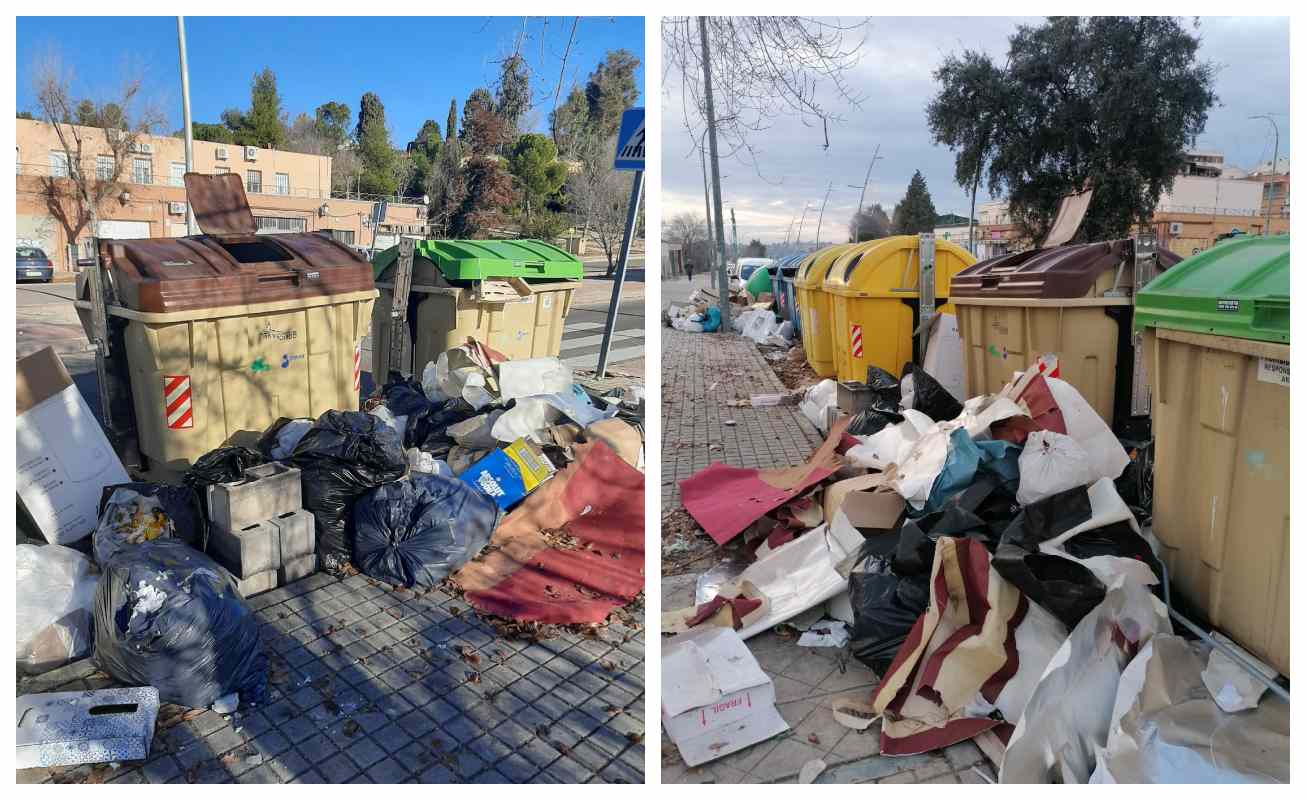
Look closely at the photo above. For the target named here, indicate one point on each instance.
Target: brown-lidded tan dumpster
(218, 335)
(1216, 341)
(1075, 301)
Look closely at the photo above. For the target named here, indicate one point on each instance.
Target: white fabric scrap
(826, 633)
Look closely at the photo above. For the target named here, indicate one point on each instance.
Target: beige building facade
(288, 192)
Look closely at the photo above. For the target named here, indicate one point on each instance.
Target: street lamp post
(1274, 169)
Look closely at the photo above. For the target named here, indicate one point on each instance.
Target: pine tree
(915, 212)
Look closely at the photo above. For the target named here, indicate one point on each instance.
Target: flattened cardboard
(64, 459)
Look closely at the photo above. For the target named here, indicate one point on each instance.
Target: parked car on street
(34, 265)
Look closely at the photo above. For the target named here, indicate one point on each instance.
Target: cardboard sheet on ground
(868, 501)
(979, 648)
(726, 500)
(1068, 715)
(1166, 729)
(599, 501)
(64, 459)
(716, 699)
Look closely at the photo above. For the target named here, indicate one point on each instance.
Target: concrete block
(248, 551)
(293, 569)
(266, 491)
(257, 583)
(88, 727)
(295, 530)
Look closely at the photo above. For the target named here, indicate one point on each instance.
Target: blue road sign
(630, 141)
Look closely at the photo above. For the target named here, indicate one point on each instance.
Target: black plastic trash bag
(927, 395)
(223, 465)
(884, 410)
(982, 511)
(343, 455)
(279, 441)
(133, 513)
(168, 616)
(430, 434)
(405, 398)
(415, 532)
(885, 605)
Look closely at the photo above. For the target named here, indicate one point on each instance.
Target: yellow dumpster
(814, 306)
(875, 301)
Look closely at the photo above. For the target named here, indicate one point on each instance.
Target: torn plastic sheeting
(817, 402)
(1089, 430)
(1052, 463)
(457, 372)
(979, 414)
(599, 501)
(1166, 729)
(54, 603)
(1040, 411)
(725, 500)
(1229, 683)
(963, 459)
(1106, 509)
(963, 659)
(760, 326)
(981, 511)
(1068, 715)
(891, 444)
(530, 414)
(826, 633)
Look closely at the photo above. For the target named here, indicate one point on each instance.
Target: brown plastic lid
(219, 203)
(1068, 271)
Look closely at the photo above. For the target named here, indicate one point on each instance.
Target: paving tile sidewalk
(369, 687)
(702, 374)
(807, 680)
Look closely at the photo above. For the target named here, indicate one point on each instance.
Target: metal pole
(185, 118)
(1274, 169)
(802, 222)
(735, 228)
(716, 178)
(857, 220)
(610, 324)
(821, 218)
(707, 209)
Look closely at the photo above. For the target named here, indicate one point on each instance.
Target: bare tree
(83, 180)
(689, 229)
(601, 197)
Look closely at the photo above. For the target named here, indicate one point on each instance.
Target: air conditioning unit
(251, 154)
(177, 208)
(1176, 228)
(144, 148)
(220, 154)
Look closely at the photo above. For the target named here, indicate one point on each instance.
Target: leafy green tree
(212, 132)
(569, 123)
(108, 115)
(25, 115)
(513, 94)
(422, 153)
(451, 125)
(534, 161)
(332, 122)
(378, 166)
(915, 212)
(1101, 102)
(266, 119)
(611, 90)
(754, 249)
(871, 223)
(488, 192)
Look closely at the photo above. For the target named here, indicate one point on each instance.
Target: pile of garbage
(408, 491)
(752, 316)
(979, 557)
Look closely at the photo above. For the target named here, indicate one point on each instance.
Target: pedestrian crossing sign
(630, 141)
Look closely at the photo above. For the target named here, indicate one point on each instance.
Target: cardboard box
(64, 459)
(716, 699)
(508, 475)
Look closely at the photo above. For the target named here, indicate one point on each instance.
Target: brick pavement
(807, 680)
(369, 687)
(702, 374)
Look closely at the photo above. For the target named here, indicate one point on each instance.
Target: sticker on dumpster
(176, 401)
(1227, 305)
(1272, 370)
(857, 341)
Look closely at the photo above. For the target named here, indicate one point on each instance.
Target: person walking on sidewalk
(689, 269)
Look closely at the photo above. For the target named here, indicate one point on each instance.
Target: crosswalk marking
(590, 360)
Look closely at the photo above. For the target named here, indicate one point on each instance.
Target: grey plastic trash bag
(168, 616)
(416, 532)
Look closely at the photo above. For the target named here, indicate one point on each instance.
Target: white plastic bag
(1052, 463)
(1089, 430)
(532, 376)
(441, 382)
(817, 401)
(891, 444)
(54, 599)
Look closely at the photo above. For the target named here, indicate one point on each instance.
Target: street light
(1274, 168)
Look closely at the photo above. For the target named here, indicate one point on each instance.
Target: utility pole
(821, 218)
(802, 222)
(707, 208)
(716, 177)
(734, 227)
(1274, 170)
(857, 220)
(790, 231)
(185, 118)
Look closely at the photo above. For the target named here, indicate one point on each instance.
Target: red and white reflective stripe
(358, 367)
(176, 402)
(1049, 365)
(857, 341)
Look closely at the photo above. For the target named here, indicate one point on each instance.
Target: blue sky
(427, 61)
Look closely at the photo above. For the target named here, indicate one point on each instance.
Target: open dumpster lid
(1067, 271)
(219, 203)
(462, 259)
(1238, 288)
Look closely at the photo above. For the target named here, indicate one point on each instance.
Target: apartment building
(288, 192)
